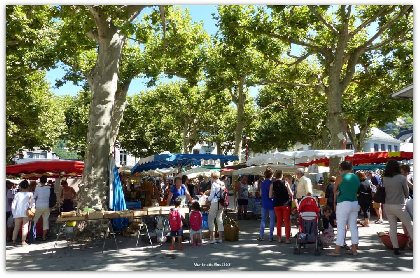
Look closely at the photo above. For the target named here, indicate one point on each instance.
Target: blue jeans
(272, 221)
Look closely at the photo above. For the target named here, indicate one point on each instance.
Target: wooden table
(110, 215)
(109, 229)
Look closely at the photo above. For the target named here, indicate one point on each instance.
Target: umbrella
(195, 172)
(166, 160)
(259, 170)
(52, 168)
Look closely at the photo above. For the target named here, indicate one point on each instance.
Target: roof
(379, 135)
(406, 92)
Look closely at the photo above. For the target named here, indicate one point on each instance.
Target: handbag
(30, 212)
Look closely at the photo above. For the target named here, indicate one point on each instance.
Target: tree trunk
(103, 84)
(362, 137)
(359, 139)
(219, 148)
(118, 110)
(335, 122)
(240, 112)
(185, 138)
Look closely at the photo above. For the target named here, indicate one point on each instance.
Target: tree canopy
(321, 71)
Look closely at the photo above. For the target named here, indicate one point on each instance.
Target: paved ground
(247, 254)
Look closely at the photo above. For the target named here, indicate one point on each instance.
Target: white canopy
(295, 157)
(259, 170)
(160, 172)
(197, 171)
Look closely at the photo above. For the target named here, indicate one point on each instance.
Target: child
(175, 223)
(327, 236)
(196, 221)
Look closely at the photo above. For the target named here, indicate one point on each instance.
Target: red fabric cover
(51, 168)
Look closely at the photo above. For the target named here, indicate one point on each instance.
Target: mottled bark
(118, 110)
(185, 137)
(103, 119)
(240, 113)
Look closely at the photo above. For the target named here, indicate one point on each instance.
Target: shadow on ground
(244, 255)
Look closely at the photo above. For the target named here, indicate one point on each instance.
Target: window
(382, 147)
(389, 148)
(395, 148)
(376, 147)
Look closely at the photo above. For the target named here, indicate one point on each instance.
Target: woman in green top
(347, 208)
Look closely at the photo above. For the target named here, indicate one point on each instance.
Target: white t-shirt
(214, 192)
(21, 202)
(42, 196)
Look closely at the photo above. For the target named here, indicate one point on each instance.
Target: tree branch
(299, 59)
(354, 57)
(289, 84)
(381, 12)
(93, 34)
(99, 19)
(133, 11)
(348, 11)
(385, 27)
(163, 19)
(385, 42)
(322, 19)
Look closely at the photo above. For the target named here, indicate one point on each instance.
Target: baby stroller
(308, 225)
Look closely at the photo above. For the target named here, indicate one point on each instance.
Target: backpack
(196, 220)
(53, 198)
(175, 221)
(224, 197)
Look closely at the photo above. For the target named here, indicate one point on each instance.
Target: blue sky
(198, 13)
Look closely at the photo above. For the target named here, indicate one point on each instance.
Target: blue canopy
(178, 160)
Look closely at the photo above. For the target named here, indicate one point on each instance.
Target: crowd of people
(347, 195)
(29, 201)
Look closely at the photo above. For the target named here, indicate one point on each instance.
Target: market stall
(365, 158)
(296, 157)
(151, 187)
